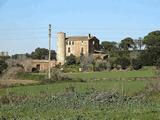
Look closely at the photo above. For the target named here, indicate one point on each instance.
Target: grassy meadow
(117, 97)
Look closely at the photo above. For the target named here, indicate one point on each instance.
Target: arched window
(69, 50)
(82, 50)
(82, 42)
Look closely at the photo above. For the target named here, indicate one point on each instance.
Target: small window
(82, 42)
(82, 50)
(69, 50)
(72, 42)
(69, 42)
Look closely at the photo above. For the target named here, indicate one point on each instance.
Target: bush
(123, 62)
(71, 60)
(30, 76)
(57, 75)
(158, 64)
(100, 66)
(71, 68)
(3, 66)
(136, 64)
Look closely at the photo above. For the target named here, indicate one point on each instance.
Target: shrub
(71, 68)
(57, 75)
(71, 60)
(3, 66)
(123, 62)
(30, 76)
(100, 66)
(136, 64)
(158, 64)
(152, 88)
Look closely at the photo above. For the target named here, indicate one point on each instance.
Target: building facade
(76, 45)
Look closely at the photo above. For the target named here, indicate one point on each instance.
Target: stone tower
(61, 47)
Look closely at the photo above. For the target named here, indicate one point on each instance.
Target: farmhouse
(66, 45)
(77, 45)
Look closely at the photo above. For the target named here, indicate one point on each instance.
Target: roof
(78, 38)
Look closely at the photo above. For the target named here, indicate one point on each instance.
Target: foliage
(123, 62)
(101, 66)
(87, 63)
(42, 53)
(152, 43)
(109, 46)
(158, 63)
(57, 75)
(152, 39)
(71, 60)
(126, 44)
(152, 88)
(145, 58)
(70, 68)
(136, 64)
(3, 66)
(30, 76)
(21, 56)
(73, 104)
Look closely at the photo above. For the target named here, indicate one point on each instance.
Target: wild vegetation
(3, 66)
(122, 86)
(93, 99)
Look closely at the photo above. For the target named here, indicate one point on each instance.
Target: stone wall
(77, 48)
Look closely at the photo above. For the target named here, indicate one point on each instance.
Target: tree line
(38, 53)
(133, 53)
(129, 53)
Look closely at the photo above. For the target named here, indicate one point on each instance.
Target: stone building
(37, 65)
(67, 45)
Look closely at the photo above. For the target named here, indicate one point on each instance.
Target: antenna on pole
(49, 58)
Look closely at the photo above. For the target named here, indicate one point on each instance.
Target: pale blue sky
(24, 23)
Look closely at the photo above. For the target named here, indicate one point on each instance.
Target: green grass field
(90, 100)
(114, 74)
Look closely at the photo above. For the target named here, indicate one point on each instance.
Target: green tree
(152, 39)
(152, 45)
(43, 53)
(3, 66)
(109, 46)
(126, 44)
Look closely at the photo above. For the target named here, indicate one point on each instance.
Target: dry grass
(12, 82)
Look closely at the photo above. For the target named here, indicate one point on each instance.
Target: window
(69, 42)
(72, 42)
(82, 50)
(82, 42)
(69, 50)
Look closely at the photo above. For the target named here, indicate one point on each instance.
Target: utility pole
(49, 58)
